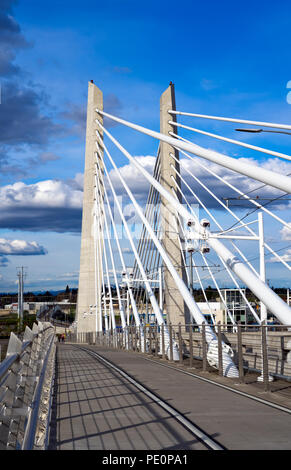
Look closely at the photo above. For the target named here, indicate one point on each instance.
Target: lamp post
(256, 131)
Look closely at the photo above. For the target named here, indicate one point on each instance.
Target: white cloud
(286, 233)
(286, 257)
(56, 205)
(140, 186)
(20, 247)
(48, 193)
(49, 205)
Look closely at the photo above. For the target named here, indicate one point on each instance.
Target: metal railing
(261, 349)
(26, 380)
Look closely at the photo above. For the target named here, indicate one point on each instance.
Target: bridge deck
(95, 408)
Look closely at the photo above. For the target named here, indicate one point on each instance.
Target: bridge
(146, 365)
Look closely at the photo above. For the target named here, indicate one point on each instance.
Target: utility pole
(20, 275)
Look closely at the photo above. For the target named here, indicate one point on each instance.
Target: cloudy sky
(224, 58)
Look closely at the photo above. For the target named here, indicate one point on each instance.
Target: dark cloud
(77, 114)
(3, 261)
(21, 119)
(44, 219)
(112, 105)
(11, 39)
(43, 158)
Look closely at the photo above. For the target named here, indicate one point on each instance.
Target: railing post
(163, 341)
(150, 339)
(157, 341)
(265, 368)
(204, 348)
(171, 341)
(135, 338)
(240, 353)
(191, 346)
(220, 363)
(144, 339)
(180, 345)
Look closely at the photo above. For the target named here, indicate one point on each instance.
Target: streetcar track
(201, 435)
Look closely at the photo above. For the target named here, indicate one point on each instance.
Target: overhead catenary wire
(223, 262)
(212, 217)
(252, 201)
(236, 217)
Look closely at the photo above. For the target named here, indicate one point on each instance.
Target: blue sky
(225, 58)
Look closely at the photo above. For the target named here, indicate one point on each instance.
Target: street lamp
(262, 130)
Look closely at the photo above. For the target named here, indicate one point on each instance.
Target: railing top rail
(10, 359)
(29, 438)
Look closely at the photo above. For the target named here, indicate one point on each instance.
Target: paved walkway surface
(94, 408)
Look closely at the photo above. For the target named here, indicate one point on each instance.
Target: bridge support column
(177, 311)
(89, 292)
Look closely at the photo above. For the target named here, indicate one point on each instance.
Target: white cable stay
(100, 257)
(218, 289)
(196, 270)
(273, 302)
(275, 180)
(223, 262)
(121, 309)
(241, 121)
(150, 292)
(111, 310)
(227, 208)
(193, 308)
(133, 304)
(97, 256)
(245, 196)
(152, 196)
(211, 216)
(233, 141)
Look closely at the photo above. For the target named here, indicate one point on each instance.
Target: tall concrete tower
(177, 311)
(89, 291)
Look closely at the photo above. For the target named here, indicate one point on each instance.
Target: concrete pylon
(177, 311)
(89, 291)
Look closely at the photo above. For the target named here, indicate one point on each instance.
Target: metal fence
(26, 380)
(264, 349)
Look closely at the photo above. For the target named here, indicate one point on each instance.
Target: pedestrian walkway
(95, 408)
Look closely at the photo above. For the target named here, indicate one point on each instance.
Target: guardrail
(263, 349)
(26, 380)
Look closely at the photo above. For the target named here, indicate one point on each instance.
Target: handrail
(29, 437)
(26, 367)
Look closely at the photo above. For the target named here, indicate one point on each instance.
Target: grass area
(10, 324)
